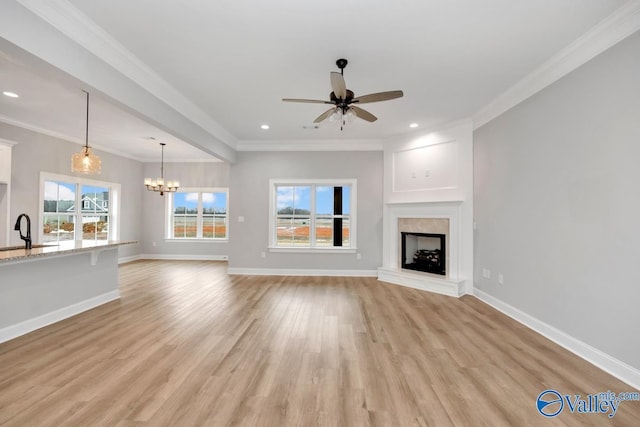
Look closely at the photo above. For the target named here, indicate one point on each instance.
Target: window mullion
(199, 217)
(172, 217)
(77, 229)
(312, 218)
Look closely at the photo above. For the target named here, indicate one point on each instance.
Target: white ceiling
(235, 60)
(58, 108)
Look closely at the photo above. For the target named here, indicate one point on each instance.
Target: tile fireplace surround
(430, 217)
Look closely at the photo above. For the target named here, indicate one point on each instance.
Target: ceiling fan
(343, 100)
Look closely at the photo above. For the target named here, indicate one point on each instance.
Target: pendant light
(85, 161)
(159, 184)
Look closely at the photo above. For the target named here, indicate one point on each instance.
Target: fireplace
(424, 252)
(439, 218)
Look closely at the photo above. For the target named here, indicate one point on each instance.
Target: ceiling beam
(92, 62)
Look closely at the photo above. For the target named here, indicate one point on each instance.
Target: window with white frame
(197, 214)
(313, 215)
(74, 208)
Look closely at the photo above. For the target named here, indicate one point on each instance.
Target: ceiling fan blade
(338, 85)
(380, 96)
(363, 114)
(309, 101)
(324, 115)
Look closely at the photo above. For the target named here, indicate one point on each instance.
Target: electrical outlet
(500, 279)
(486, 273)
(358, 256)
(263, 254)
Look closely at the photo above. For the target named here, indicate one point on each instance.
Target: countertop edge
(65, 248)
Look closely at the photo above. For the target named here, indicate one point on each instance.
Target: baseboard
(607, 363)
(22, 328)
(182, 257)
(126, 259)
(300, 272)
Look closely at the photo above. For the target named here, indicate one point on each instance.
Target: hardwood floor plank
(189, 345)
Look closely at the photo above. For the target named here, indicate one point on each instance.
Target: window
(313, 215)
(198, 214)
(77, 209)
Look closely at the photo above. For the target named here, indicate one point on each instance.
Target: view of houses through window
(315, 215)
(75, 211)
(198, 214)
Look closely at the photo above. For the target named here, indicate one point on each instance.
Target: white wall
(557, 206)
(37, 153)
(204, 174)
(250, 198)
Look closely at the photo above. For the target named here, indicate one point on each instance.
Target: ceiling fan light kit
(343, 100)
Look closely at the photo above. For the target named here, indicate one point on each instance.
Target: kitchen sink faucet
(27, 238)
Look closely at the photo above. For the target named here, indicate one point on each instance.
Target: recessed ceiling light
(10, 94)
(265, 127)
(413, 125)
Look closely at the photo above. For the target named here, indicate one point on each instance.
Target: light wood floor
(189, 345)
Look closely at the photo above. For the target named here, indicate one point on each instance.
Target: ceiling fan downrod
(341, 63)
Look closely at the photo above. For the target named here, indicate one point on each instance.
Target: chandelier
(158, 184)
(85, 161)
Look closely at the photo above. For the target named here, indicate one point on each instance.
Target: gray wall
(37, 153)
(557, 204)
(205, 174)
(249, 197)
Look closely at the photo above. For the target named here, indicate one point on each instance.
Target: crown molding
(38, 129)
(312, 145)
(179, 160)
(62, 136)
(98, 147)
(8, 142)
(613, 29)
(63, 16)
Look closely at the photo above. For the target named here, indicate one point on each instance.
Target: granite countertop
(19, 253)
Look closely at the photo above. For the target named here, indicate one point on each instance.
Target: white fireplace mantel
(451, 284)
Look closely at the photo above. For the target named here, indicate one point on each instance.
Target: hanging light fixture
(159, 184)
(85, 161)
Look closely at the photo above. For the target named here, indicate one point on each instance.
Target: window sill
(332, 250)
(196, 240)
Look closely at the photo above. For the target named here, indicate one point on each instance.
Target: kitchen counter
(20, 254)
(49, 283)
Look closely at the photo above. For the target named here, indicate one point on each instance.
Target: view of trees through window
(313, 215)
(75, 212)
(199, 215)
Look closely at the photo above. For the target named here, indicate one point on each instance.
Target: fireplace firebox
(424, 252)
